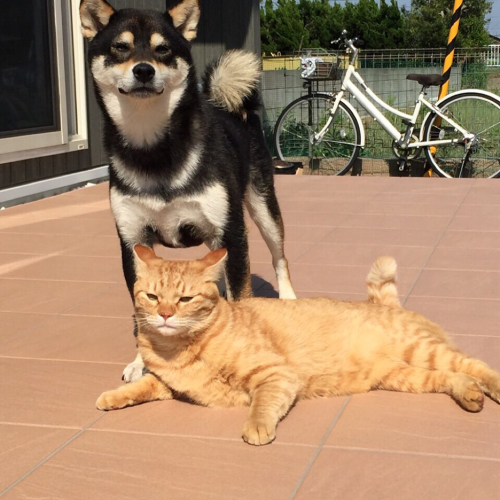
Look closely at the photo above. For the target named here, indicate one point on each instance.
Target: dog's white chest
(206, 211)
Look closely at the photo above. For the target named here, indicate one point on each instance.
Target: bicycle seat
(427, 80)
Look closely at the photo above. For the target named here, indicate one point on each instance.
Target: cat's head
(173, 297)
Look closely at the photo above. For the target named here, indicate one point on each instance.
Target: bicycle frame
(403, 140)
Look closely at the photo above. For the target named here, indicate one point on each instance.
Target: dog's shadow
(260, 287)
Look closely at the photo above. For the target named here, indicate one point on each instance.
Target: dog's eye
(162, 50)
(152, 297)
(121, 47)
(185, 299)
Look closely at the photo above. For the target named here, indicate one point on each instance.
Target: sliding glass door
(38, 70)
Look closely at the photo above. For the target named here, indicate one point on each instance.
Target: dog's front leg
(237, 270)
(133, 371)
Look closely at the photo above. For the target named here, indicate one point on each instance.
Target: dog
(184, 161)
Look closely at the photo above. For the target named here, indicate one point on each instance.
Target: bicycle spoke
(478, 115)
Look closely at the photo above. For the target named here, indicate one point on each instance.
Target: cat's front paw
(259, 432)
(133, 371)
(110, 400)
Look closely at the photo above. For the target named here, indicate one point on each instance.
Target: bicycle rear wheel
(294, 135)
(477, 113)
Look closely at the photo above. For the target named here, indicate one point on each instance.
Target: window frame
(71, 95)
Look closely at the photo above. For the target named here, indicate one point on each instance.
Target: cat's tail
(381, 282)
(231, 82)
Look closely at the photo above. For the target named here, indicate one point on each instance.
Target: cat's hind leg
(147, 388)
(405, 378)
(448, 358)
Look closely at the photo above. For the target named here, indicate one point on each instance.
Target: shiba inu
(184, 162)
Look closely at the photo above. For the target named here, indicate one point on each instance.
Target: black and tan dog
(184, 162)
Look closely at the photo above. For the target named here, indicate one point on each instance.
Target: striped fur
(269, 353)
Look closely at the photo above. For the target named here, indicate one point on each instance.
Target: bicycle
(460, 134)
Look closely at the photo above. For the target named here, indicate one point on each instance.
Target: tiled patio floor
(66, 335)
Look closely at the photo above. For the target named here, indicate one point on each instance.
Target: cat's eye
(185, 299)
(162, 50)
(151, 296)
(121, 46)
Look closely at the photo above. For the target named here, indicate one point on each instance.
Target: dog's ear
(213, 264)
(185, 17)
(94, 15)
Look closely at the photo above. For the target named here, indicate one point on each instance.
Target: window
(42, 82)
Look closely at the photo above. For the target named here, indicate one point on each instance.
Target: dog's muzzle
(144, 74)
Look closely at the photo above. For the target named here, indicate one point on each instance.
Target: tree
(428, 23)
(288, 25)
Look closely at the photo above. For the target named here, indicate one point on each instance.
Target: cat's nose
(165, 315)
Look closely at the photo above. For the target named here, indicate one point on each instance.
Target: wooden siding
(224, 25)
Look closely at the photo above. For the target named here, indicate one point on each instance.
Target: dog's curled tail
(381, 282)
(231, 82)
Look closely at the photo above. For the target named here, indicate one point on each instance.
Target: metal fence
(385, 72)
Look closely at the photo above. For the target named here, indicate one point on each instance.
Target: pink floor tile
(24, 447)
(115, 465)
(475, 223)
(56, 393)
(47, 297)
(406, 222)
(339, 474)
(306, 424)
(465, 259)
(417, 423)
(453, 283)
(66, 335)
(69, 268)
(382, 236)
(77, 338)
(14, 324)
(460, 315)
(348, 279)
(114, 302)
(470, 239)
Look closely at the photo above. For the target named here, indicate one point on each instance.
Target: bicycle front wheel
(478, 114)
(295, 135)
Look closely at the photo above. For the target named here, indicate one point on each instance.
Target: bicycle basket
(320, 65)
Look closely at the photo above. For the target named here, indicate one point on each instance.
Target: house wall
(224, 24)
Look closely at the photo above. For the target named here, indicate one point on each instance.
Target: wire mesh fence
(384, 71)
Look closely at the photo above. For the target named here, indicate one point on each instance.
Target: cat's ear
(214, 264)
(185, 16)
(144, 256)
(94, 15)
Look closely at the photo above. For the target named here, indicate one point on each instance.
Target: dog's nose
(144, 72)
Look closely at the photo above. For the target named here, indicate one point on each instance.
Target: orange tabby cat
(268, 353)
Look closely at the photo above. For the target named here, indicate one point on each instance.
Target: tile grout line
(412, 453)
(318, 449)
(51, 317)
(313, 244)
(334, 228)
(49, 456)
(434, 248)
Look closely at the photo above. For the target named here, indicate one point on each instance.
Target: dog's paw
(133, 372)
(259, 432)
(110, 400)
(287, 294)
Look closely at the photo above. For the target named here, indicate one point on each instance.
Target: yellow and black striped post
(448, 60)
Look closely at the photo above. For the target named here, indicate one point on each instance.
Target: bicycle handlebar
(352, 44)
